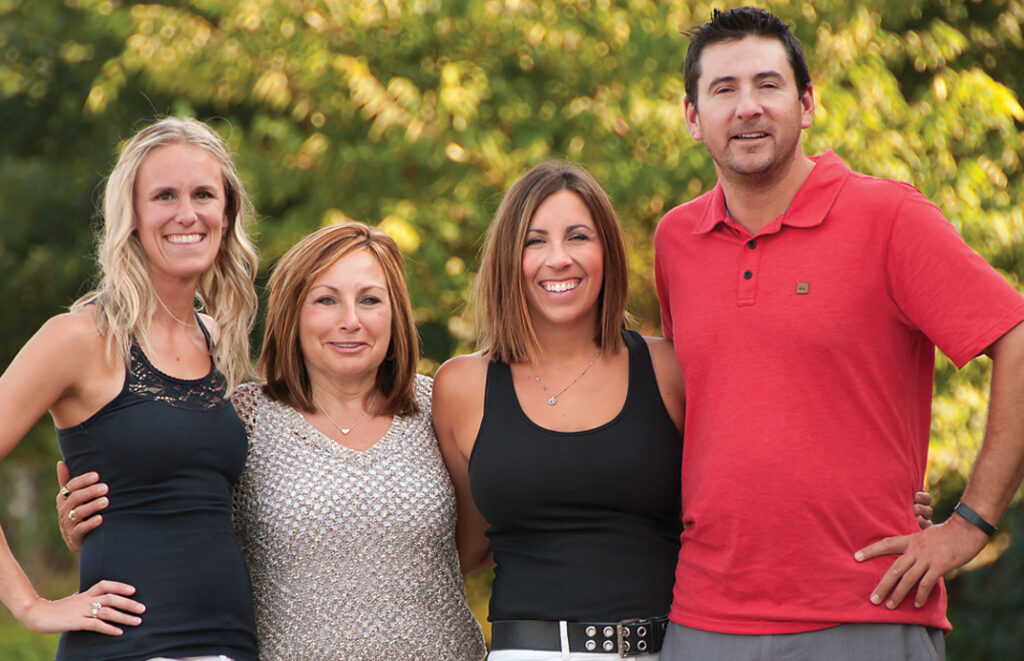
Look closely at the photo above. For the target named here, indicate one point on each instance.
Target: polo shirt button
(747, 275)
(751, 244)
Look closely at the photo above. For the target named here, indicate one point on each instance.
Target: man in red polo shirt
(805, 302)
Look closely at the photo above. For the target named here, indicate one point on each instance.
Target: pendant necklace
(553, 399)
(346, 431)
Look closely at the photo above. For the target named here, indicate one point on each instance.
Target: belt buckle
(624, 631)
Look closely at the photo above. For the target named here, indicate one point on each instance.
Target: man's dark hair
(735, 24)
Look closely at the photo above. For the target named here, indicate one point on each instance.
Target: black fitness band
(974, 518)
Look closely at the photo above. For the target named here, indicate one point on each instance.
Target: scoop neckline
(171, 377)
(314, 432)
(581, 432)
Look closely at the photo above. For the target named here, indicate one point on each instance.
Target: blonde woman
(344, 512)
(137, 382)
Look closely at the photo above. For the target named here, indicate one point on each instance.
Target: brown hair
(281, 363)
(733, 25)
(503, 320)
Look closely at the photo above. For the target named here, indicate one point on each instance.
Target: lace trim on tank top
(149, 382)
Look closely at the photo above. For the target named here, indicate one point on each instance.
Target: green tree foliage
(418, 114)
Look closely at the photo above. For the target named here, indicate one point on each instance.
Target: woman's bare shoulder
(72, 331)
(459, 383)
(64, 367)
(661, 349)
(669, 377)
(458, 400)
(461, 373)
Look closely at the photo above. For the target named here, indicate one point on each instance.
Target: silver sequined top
(352, 554)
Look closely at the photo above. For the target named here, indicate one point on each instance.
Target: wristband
(974, 519)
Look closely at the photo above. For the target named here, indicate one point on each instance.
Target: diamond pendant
(552, 401)
(345, 431)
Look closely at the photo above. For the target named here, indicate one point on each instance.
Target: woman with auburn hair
(345, 513)
(563, 434)
(136, 382)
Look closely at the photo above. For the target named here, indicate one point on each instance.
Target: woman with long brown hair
(563, 434)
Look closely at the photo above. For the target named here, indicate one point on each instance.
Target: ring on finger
(96, 606)
(64, 493)
(71, 515)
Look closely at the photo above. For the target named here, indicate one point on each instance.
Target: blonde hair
(281, 363)
(503, 319)
(125, 299)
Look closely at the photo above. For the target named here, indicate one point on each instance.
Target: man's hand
(923, 558)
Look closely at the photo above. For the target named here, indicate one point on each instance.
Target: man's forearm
(999, 467)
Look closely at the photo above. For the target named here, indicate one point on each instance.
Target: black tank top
(170, 450)
(584, 525)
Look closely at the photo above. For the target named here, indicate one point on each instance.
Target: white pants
(545, 655)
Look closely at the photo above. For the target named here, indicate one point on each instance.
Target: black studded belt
(625, 638)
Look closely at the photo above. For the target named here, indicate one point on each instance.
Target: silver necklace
(553, 399)
(346, 431)
(168, 311)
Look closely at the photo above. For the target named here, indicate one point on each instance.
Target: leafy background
(417, 114)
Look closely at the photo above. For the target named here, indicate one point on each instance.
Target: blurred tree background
(417, 114)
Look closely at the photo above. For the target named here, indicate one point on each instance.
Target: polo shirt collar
(808, 208)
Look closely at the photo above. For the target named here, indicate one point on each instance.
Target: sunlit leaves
(418, 114)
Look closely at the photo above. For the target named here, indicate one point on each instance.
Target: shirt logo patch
(803, 287)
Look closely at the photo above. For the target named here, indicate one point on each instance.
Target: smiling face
(180, 210)
(563, 262)
(749, 113)
(345, 321)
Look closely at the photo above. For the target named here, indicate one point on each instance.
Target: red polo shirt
(808, 352)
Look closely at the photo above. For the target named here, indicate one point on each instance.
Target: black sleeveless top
(584, 525)
(170, 450)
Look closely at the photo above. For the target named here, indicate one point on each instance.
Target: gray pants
(846, 642)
